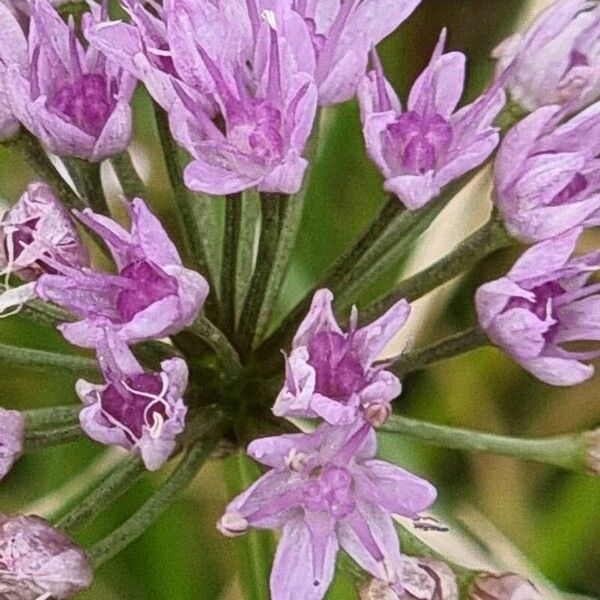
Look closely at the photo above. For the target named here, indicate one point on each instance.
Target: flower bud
(508, 586)
(39, 561)
(12, 432)
(422, 579)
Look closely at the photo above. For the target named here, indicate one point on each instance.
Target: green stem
(216, 339)
(490, 237)
(43, 418)
(42, 360)
(393, 245)
(334, 277)
(184, 199)
(453, 345)
(231, 241)
(101, 493)
(131, 182)
(271, 205)
(52, 437)
(155, 506)
(566, 451)
(29, 147)
(88, 180)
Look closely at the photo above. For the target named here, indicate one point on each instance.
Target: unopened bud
(38, 561)
(232, 524)
(378, 413)
(422, 579)
(508, 586)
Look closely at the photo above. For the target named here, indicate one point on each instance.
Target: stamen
(155, 397)
(157, 426)
(253, 16)
(274, 81)
(74, 51)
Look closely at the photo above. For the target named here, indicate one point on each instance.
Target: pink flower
(327, 490)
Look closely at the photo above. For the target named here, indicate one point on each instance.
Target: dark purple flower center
(86, 103)
(135, 410)
(414, 143)
(543, 305)
(258, 133)
(578, 184)
(152, 285)
(339, 372)
(330, 490)
(20, 239)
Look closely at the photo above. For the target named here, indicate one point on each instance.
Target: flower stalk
(271, 207)
(567, 451)
(42, 360)
(46, 438)
(184, 199)
(231, 242)
(29, 147)
(131, 182)
(454, 345)
(155, 506)
(102, 493)
(487, 239)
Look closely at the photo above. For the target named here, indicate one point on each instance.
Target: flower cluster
(239, 85)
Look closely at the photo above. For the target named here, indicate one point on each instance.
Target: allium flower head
(547, 176)
(508, 586)
(422, 149)
(335, 375)
(544, 302)
(13, 51)
(37, 561)
(139, 411)
(342, 35)
(74, 100)
(37, 230)
(326, 490)
(557, 59)
(12, 433)
(152, 295)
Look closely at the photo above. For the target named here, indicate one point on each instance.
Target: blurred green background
(549, 516)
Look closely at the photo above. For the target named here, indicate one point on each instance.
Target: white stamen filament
(159, 52)
(157, 426)
(106, 24)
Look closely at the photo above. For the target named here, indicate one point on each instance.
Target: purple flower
(268, 115)
(424, 148)
(12, 435)
(233, 62)
(13, 51)
(547, 176)
(139, 411)
(74, 100)
(35, 231)
(544, 302)
(557, 59)
(326, 490)
(152, 296)
(335, 375)
(342, 34)
(38, 561)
